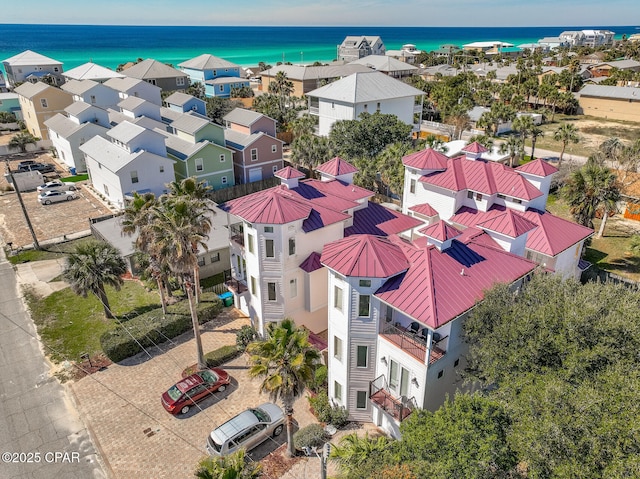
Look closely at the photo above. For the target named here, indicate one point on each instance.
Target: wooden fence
(232, 192)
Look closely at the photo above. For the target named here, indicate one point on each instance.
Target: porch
(414, 344)
(380, 396)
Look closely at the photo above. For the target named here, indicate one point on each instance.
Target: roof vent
(462, 272)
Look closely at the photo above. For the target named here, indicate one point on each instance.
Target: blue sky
(325, 12)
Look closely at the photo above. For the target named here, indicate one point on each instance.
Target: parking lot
(51, 221)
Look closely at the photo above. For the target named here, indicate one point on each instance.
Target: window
(254, 287)
(274, 148)
(440, 374)
(215, 72)
(274, 169)
(333, 105)
(221, 88)
(293, 288)
(56, 69)
(456, 362)
(501, 196)
(337, 298)
(224, 180)
(292, 246)
(363, 305)
(215, 257)
(365, 107)
(250, 241)
(106, 190)
(201, 262)
(180, 81)
(269, 249)
(92, 99)
(337, 390)
(254, 154)
(516, 201)
(43, 102)
(134, 177)
(362, 356)
(378, 107)
(271, 291)
(361, 400)
(222, 158)
(365, 283)
(470, 195)
(337, 348)
(199, 164)
(161, 168)
(478, 196)
(412, 186)
(268, 229)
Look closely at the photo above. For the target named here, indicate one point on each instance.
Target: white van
(247, 430)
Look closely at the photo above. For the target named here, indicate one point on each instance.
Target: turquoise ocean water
(111, 45)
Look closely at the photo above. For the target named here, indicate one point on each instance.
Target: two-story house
(197, 146)
(369, 92)
(179, 102)
(131, 158)
(39, 102)
(218, 76)
(159, 74)
(67, 132)
(92, 92)
(257, 153)
(33, 67)
(355, 47)
(127, 87)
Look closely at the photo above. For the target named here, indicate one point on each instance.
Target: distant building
(32, 67)
(614, 102)
(355, 47)
(91, 71)
(388, 65)
(218, 76)
(158, 74)
(587, 38)
(407, 54)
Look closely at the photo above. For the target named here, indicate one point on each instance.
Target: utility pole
(36, 245)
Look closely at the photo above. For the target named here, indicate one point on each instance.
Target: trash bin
(72, 170)
(226, 298)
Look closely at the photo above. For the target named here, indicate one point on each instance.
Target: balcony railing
(236, 234)
(398, 408)
(415, 344)
(236, 286)
(314, 110)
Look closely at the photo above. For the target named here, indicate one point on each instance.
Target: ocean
(247, 46)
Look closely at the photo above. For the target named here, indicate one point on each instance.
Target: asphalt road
(41, 434)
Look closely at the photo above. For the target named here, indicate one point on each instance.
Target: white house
(127, 87)
(32, 66)
(370, 92)
(91, 71)
(92, 92)
(132, 158)
(355, 47)
(81, 123)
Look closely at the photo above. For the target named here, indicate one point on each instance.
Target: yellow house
(613, 102)
(39, 102)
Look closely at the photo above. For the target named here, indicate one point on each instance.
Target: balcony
(414, 344)
(236, 286)
(380, 396)
(236, 234)
(314, 110)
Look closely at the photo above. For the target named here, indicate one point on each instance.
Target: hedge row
(222, 355)
(151, 328)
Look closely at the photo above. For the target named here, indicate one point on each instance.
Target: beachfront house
(91, 71)
(218, 76)
(355, 47)
(39, 102)
(257, 153)
(92, 92)
(131, 158)
(135, 87)
(67, 132)
(32, 67)
(159, 74)
(197, 146)
(369, 92)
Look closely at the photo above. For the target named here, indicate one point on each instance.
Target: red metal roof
(365, 256)
(482, 177)
(312, 263)
(538, 168)
(424, 209)
(474, 147)
(340, 189)
(375, 219)
(288, 173)
(336, 167)
(276, 206)
(441, 231)
(427, 159)
(509, 223)
(441, 285)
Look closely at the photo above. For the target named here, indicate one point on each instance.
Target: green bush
(312, 435)
(319, 381)
(246, 335)
(321, 406)
(221, 355)
(339, 415)
(151, 328)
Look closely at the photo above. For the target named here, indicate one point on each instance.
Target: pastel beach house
(39, 102)
(32, 67)
(218, 76)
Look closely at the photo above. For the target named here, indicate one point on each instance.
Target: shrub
(151, 328)
(321, 406)
(312, 435)
(339, 415)
(221, 355)
(319, 379)
(246, 335)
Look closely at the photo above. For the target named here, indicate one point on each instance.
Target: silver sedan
(55, 196)
(57, 185)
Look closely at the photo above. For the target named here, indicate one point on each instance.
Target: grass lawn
(57, 251)
(70, 325)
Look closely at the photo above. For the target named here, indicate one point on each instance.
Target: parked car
(24, 164)
(247, 430)
(180, 397)
(41, 167)
(57, 185)
(55, 196)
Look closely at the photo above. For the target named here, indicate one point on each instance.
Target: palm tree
(21, 140)
(286, 361)
(566, 133)
(93, 265)
(435, 143)
(233, 466)
(535, 133)
(354, 451)
(514, 147)
(282, 87)
(591, 188)
(309, 151)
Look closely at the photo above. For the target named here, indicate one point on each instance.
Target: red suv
(180, 397)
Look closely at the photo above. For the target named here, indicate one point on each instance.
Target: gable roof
(538, 167)
(179, 98)
(28, 58)
(190, 122)
(427, 159)
(114, 158)
(29, 90)
(509, 224)
(91, 71)
(365, 86)
(132, 102)
(78, 87)
(244, 117)
(125, 131)
(149, 68)
(310, 72)
(124, 84)
(207, 62)
(384, 63)
(239, 140)
(424, 209)
(65, 127)
(609, 91)
(336, 167)
(441, 231)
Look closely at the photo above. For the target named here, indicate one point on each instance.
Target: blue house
(10, 103)
(183, 103)
(218, 76)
